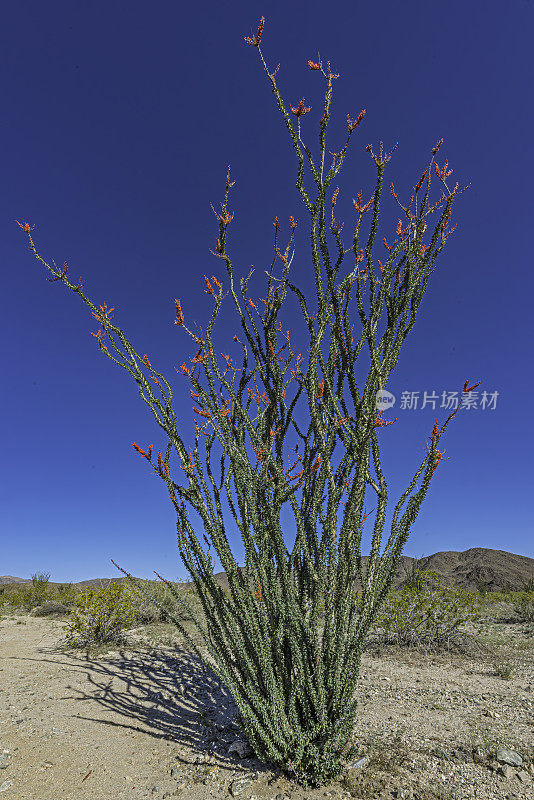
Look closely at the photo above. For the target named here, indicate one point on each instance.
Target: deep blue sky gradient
(119, 123)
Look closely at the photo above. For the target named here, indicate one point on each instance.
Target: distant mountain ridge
(496, 569)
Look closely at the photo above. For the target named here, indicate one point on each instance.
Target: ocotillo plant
(294, 695)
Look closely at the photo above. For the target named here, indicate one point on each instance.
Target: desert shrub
(28, 596)
(432, 614)
(419, 579)
(34, 596)
(50, 608)
(7, 600)
(524, 606)
(497, 604)
(100, 616)
(15, 596)
(66, 593)
(495, 597)
(148, 597)
(39, 591)
(23, 598)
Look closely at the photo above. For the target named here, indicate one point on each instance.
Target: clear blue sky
(119, 123)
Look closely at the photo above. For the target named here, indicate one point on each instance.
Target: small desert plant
(9, 598)
(495, 604)
(24, 598)
(524, 606)
(66, 594)
(417, 578)
(431, 615)
(100, 616)
(50, 608)
(148, 611)
(35, 595)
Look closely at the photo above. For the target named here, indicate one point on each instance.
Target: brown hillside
(496, 569)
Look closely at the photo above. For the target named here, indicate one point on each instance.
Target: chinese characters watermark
(450, 400)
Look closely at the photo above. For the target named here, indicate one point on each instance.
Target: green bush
(37, 594)
(66, 593)
(23, 598)
(419, 579)
(50, 608)
(27, 596)
(524, 606)
(100, 616)
(431, 614)
(148, 611)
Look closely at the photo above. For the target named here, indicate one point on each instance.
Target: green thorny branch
(295, 697)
